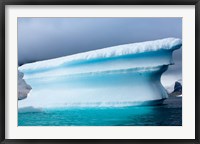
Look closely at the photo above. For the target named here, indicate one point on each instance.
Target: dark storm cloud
(46, 38)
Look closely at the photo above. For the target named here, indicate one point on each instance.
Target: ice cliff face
(116, 76)
(23, 87)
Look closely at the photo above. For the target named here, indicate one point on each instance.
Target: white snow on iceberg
(120, 75)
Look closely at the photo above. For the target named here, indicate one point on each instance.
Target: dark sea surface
(167, 114)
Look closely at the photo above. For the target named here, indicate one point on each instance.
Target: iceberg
(124, 75)
(23, 87)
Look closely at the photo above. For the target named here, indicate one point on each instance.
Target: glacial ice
(123, 75)
(23, 87)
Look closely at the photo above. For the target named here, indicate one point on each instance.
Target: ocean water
(167, 114)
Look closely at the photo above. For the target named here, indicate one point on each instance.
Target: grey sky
(46, 38)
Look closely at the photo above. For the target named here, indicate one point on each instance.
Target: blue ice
(124, 75)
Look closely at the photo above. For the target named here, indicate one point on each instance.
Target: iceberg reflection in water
(125, 75)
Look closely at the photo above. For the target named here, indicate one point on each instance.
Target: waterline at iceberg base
(168, 114)
(110, 78)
